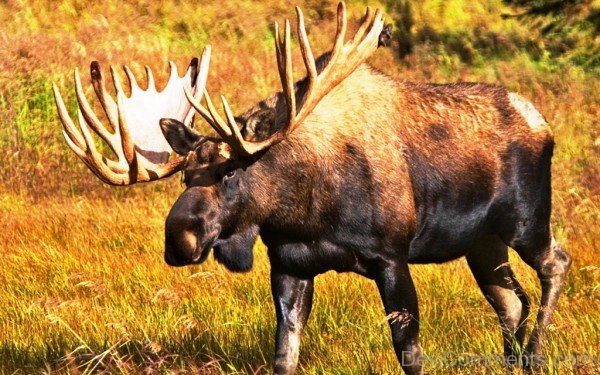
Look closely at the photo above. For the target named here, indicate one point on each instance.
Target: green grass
(83, 286)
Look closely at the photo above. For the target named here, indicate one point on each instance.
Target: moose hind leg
(488, 261)
(552, 264)
(400, 301)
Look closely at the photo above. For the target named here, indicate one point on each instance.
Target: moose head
(223, 204)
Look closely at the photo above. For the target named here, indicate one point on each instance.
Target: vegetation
(83, 286)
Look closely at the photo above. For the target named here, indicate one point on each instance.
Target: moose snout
(181, 246)
(188, 239)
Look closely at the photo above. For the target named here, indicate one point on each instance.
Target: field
(83, 285)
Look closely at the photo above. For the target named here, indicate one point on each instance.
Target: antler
(136, 138)
(345, 58)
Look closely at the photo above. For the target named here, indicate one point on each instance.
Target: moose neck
(303, 185)
(281, 188)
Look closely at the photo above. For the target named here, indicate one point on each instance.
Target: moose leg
(488, 261)
(551, 263)
(293, 300)
(400, 301)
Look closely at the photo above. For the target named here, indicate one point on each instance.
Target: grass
(83, 286)
(86, 284)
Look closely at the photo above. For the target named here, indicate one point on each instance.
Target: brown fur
(461, 129)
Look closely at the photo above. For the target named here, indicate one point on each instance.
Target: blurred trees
(403, 23)
(566, 28)
(551, 31)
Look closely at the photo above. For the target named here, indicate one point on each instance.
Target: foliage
(567, 28)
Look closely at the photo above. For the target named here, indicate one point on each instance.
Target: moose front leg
(400, 301)
(293, 298)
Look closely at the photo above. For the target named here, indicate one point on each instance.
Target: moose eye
(229, 174)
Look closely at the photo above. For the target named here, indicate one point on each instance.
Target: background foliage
(83, 287)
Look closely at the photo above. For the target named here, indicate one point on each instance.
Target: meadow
(83, 284)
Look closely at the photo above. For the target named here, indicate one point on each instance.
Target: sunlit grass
(86, 283)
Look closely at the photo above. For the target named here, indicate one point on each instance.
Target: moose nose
(181, 246)
(181, 239)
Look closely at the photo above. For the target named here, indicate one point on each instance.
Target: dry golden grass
(83, 286)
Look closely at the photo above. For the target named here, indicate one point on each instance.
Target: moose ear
(260, 125)
(385, 36)
(180, 137)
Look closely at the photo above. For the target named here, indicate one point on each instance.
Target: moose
(346, 169)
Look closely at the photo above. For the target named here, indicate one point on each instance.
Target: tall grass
(83, 287)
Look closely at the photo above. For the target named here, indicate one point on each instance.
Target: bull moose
(347, 170)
